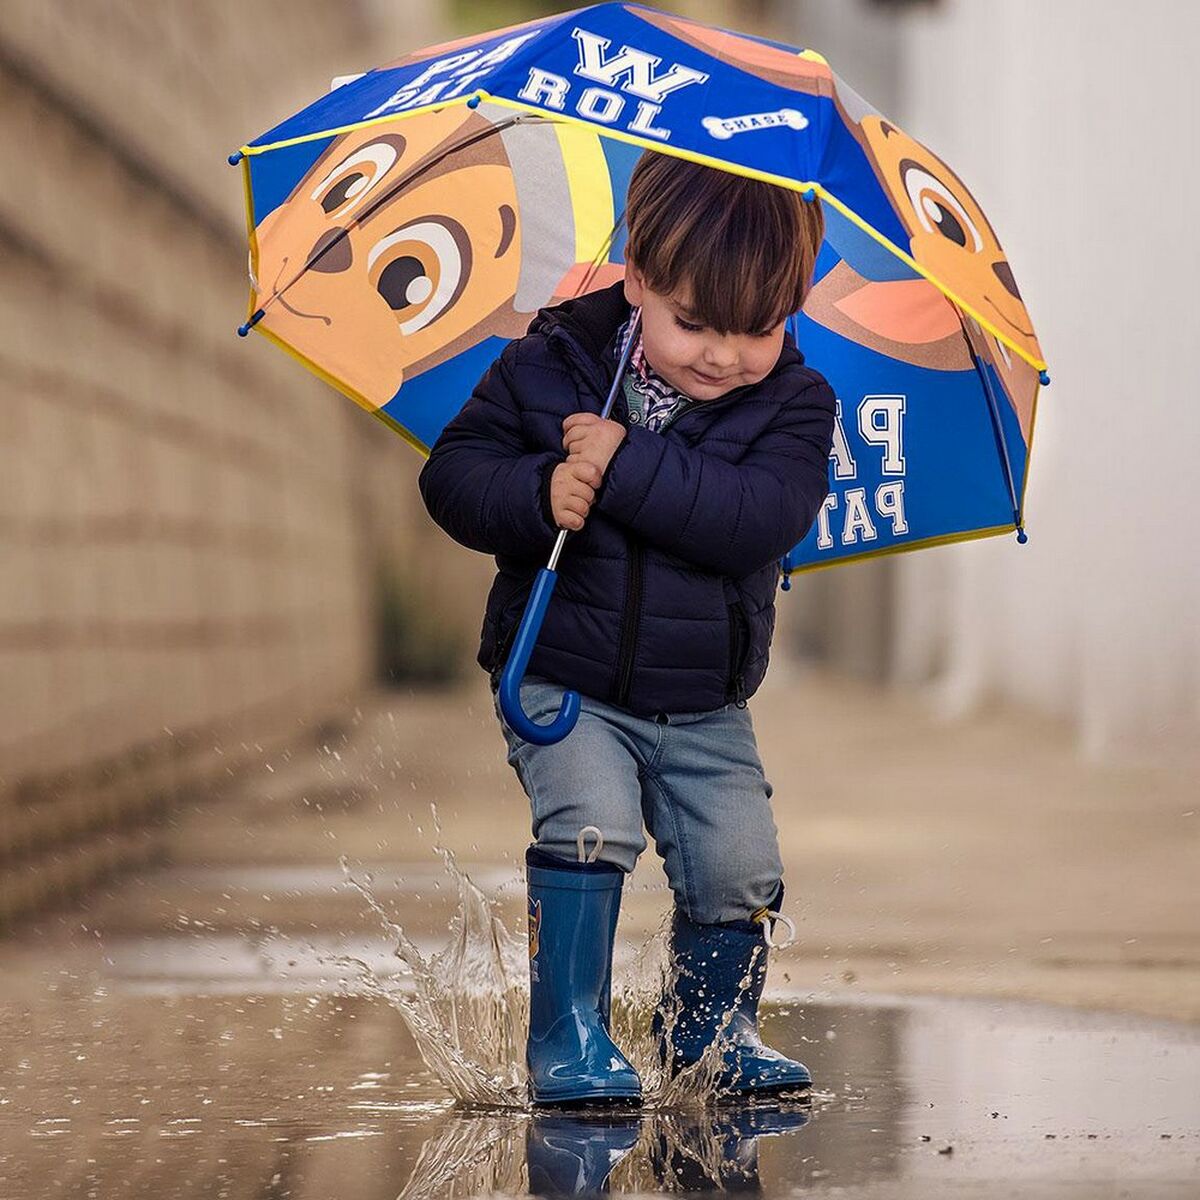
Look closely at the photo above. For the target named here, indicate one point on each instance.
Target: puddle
(108, 1093)
(271, 1064)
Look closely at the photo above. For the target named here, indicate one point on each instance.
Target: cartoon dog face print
(535, 930)
(400, 244)
(953, 241)
(951, 237)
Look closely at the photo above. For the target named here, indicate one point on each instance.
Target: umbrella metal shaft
(622, 364)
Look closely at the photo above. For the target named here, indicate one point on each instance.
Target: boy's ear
(635, 286)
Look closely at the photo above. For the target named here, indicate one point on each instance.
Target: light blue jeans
(694, 780)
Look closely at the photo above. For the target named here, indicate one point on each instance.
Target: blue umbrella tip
(235, 158)
(474, 101)
(243, 330)
(1022, 536)
(1044, 378)
(809, 194)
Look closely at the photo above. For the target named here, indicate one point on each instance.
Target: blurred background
(211, 558)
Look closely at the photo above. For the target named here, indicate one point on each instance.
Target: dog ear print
(584, 277)
(908, 311)
(908, 320)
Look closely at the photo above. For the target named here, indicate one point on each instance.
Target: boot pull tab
(581, 844)
(764, 917)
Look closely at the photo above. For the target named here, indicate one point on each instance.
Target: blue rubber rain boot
(715, 1151)
(721, 969)
(572, 923)
(573, 1155)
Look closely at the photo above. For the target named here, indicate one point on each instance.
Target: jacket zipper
(629, 624)
(630, 618)
(501, 659)
(739, 645)
(627, 642)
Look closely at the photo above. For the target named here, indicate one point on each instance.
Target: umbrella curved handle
(514, 671)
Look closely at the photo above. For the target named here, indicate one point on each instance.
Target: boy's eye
(764, 333)
(688, 325)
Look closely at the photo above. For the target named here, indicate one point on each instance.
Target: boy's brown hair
(741, 251)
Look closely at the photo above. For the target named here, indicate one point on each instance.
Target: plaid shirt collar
(660, 397)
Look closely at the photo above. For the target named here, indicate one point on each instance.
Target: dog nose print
(331, 252)
(1005, 275)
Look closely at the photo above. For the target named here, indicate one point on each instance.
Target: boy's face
(697, 360)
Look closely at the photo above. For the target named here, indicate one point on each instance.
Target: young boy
(713, 466)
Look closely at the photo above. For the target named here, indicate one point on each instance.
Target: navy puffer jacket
(665, 599)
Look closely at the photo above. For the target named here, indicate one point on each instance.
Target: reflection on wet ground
(215, 1031)
(232, 1024)
(106, 1090)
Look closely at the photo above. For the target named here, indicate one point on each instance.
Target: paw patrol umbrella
(406, 225)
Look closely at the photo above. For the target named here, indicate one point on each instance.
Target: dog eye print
(937, 208)
(393, 247)
(421, 269)
(349, 183)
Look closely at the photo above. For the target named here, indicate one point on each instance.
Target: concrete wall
(184, 521)
(1076, 123)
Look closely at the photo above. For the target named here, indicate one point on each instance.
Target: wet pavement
(231, 1024)
(202, 1063)
(110, 1090)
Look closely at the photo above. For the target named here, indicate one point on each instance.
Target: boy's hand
(595, 441)
(573, 487)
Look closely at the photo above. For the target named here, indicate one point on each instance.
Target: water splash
(467, 1006)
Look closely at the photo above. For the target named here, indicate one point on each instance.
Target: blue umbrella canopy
(407, 224)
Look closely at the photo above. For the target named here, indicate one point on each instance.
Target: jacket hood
(591, 319)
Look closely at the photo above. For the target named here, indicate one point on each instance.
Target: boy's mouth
(711, 380)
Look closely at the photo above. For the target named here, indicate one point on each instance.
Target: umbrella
(407, 224)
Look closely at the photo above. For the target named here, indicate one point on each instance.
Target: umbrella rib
(997, 431)
(601, 256)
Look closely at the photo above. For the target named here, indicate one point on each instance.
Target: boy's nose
(720, 354)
